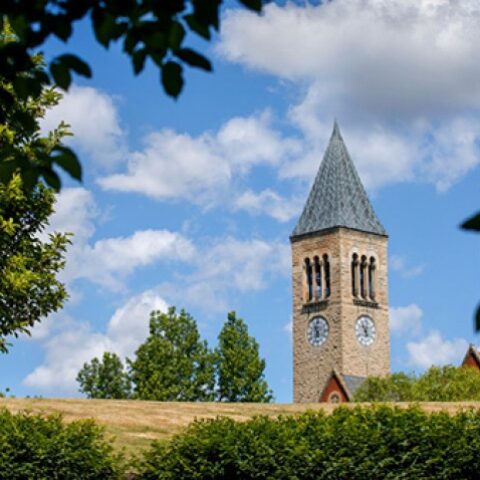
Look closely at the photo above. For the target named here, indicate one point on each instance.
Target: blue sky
(191, 202)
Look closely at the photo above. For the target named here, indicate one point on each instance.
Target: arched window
(308, 273)
(371, 278)
(318, 278)
(363, 268)
(355, 275)
(326, 268)
(334, 397)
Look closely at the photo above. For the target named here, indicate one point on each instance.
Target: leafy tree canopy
(173, 363)
(438, 384)
(148, 30)
(239, 368)
(29, 289)
(104, 378)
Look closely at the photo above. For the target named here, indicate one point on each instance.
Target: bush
(438, 384)
(34, 447)
(362, 443)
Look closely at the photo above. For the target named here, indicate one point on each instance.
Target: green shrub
(34, 447)
(438, 384)
(356, 444)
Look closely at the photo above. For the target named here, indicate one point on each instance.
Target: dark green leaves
(369, 443)
(172, 79)
(60, 69)
(473, 223)
(148, 30)
(66, 159)
(252, 4)
(194, 59)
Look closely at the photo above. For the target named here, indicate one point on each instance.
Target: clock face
(365, 331)
(317, 331)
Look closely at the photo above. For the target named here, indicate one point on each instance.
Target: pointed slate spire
(337, 197)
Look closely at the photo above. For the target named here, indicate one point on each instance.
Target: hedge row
(362, 443)
(34, 447)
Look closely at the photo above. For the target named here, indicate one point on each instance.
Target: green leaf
(138, 60)
(68, 161)
(104, 26)
(473, 223)
(61, 75)
(176, 35)
(477, 319)
(52, 179)
(72, 62)
(255, 5)
(194, 59)
(197, 27)
(172, 78)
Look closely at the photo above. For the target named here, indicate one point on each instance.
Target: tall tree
(29, 288)
(104, 378)
(24, 150)
(173, 363)
(154, 31)
(239, 368)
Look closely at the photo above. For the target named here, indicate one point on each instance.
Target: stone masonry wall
(313, 365)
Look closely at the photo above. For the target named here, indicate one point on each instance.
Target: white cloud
(201, 169)
(247, 141)
(434, 350)
(94, 120)
(392, 56)
(398, 74)
(75, 211)
(71, 343)
(227, 268)
(173, 166)
(108, 262)
(269, 203)
(406, 319)
(398, 263)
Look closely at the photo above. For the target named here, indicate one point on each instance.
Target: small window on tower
(318, 278)
(355, 275)
(326, 266)
(363, 279)
(371, 278)
(308, 273)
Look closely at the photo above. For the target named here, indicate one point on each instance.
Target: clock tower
(340, 284)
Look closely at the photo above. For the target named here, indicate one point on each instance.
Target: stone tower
(340, 284)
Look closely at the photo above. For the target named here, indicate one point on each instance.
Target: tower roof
(337, 197)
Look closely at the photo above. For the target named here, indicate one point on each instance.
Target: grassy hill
(134, 424)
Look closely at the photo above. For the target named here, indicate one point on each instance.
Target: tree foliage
(29, 288)
(239, 368)
(357, 444)
(35, 447)
(148, 30)
(105, 378)
(23, 149)
(173, 363)
(438, 384)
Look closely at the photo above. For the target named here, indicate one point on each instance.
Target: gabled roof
(472, 356)
(348, 383)
(353, 383)
(337, 197)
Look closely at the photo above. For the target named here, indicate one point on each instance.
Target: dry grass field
(134, 424)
